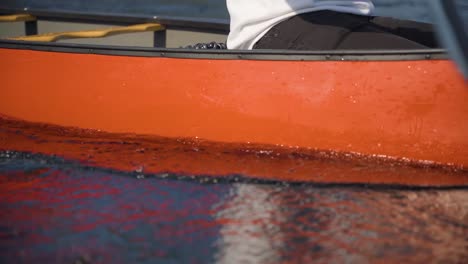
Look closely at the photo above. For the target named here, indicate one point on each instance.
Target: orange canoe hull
(406, 109)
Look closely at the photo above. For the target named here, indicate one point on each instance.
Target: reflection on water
(51, 211)
(217, 161)
(335, 225)
(251, 230)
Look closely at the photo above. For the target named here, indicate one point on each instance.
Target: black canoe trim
(281, 55)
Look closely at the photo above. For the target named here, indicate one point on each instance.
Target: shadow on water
(82, 196)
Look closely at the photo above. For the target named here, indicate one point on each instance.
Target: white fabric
(251, 19)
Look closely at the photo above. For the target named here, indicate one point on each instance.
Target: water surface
(70, 195)
(54, 212)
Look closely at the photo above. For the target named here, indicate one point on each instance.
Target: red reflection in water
(304, 225)
(150, 154)
(68, 215)
(54, 215)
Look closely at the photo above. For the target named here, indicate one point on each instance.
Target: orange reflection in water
(151, 154)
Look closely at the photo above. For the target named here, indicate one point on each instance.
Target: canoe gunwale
(272, 55)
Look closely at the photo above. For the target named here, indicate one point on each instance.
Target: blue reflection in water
(53, 211)
(72, 214)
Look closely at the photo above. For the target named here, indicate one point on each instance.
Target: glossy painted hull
(406, 109)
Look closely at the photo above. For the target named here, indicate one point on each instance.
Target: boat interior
(112, 28)
(106, 29)
(200, 26)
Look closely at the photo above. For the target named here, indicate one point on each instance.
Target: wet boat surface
(391, 104)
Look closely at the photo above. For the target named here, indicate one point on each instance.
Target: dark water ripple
(52, 212)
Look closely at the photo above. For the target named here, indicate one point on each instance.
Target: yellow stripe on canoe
(99, 33)
(17, 18)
